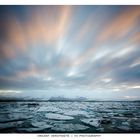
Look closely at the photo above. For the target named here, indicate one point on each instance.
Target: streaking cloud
(90, 51)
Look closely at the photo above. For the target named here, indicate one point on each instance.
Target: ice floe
(41, 124)
(70, 117)
(14, 117)
(56, 116)
(69, 127)
(124, 128)
(49, 109)
(10, 124)
(92, 122)
(76, 113)
(31, 129)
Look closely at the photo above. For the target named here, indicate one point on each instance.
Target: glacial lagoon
(70, 117)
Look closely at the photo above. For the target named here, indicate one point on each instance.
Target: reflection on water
(64, 117)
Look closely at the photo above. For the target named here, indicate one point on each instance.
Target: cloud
(92, 48)
(121, 25)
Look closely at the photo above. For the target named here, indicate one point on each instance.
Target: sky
(70, 51)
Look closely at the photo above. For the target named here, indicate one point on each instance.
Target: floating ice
(92, 122)
(31, 129)
(14, 117)
(76, 112)
(10, 124)
(124, 128)
(69, 127)
(41, 124)
(58, 116)
(49, 109)
(62, 117)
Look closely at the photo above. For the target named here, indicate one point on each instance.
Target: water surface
(69, 117)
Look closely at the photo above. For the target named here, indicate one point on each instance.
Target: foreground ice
(69, 127)
(76, 113)
(11, 117)
(41, 125)
(8, 125)
(31, 129)
(92, 122)
(69, 117)
(49, 109)
(56, 116)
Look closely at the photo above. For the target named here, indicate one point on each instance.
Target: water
(69, 117)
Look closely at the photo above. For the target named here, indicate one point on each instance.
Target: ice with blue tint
(69, 117)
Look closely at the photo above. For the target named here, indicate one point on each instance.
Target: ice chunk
(10, 124)
(32, 129)
(41, 124)
(124, 128)
(69, 127)
(92, 122)
(56, 116)
(49, 109)
(76, 112)
(14, 117)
